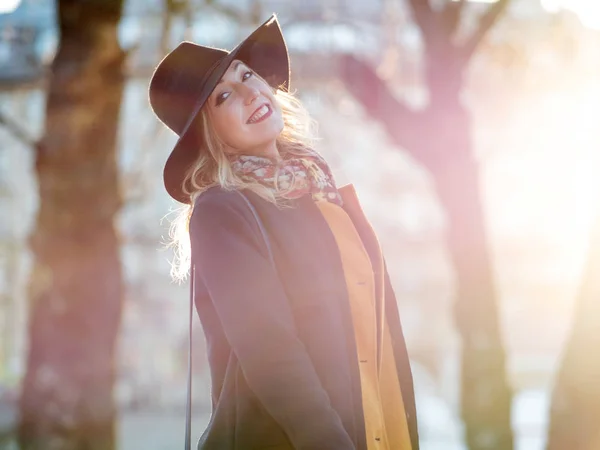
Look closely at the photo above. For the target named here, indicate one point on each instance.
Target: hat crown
(178, 82)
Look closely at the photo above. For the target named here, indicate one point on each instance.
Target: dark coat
(281, 348)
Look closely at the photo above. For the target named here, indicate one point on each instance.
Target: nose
(251, 95)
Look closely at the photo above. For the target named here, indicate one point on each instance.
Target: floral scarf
(291, 178)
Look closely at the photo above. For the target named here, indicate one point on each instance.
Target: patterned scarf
(291, 178)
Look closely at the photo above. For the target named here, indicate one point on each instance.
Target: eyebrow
(236, 66)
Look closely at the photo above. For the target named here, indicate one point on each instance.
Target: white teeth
(258, 114)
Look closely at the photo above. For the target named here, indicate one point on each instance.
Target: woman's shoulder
(215, 194)
(217, 204)
(222, 214)
(216, 198)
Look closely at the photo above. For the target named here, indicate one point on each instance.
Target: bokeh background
(470, 129)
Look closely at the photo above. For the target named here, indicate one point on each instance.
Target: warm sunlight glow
(8, 6)
(543, 188)
(588, 11)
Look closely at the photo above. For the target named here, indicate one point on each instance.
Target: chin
(261, 135)
(270, 132)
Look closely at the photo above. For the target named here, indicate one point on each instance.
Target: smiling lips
(262, 113)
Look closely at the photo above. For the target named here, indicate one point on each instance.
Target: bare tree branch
(188, 19)
(16, 130)
(451, 15)
(425, 17)
(176, 6)
(256, 11)
(486, 22)
(171, 9)
(403, 124)
(232, 13)
(165, 33)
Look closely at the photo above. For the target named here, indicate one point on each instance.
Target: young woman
(304, 340)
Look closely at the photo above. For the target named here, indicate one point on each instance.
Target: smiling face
(244, 113)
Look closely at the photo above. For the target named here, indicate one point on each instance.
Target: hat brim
(265, 52)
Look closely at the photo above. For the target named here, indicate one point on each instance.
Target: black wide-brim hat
(185, 78)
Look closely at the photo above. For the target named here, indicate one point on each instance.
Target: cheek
(226, 124)
(278, 122)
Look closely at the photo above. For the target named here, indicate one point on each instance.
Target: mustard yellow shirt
(385, 419)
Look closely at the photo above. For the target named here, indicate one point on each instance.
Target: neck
(271, 152)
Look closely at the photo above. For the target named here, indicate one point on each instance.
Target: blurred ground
(158, 430)
(163, 429)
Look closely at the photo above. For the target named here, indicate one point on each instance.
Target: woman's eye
(221, 98)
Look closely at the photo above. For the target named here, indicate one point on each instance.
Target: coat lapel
(371, 243)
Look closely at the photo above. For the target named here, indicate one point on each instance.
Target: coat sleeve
(231, 261)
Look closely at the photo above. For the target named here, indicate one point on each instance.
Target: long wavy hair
(213, 168)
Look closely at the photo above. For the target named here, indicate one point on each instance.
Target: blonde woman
(304, 340)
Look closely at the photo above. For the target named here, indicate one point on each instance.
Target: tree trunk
(485, 394)
(576, 397)
(440, 139)
(76, 288)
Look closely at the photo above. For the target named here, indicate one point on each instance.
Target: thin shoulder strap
(188, 408)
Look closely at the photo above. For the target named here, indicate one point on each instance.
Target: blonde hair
(213, 168)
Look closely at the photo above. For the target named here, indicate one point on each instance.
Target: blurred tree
(76, 287)
(252, 16)
(172, 9)
(439, 137)
(576, 397)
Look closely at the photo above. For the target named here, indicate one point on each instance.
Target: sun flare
(8, 6)
(588, 11)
